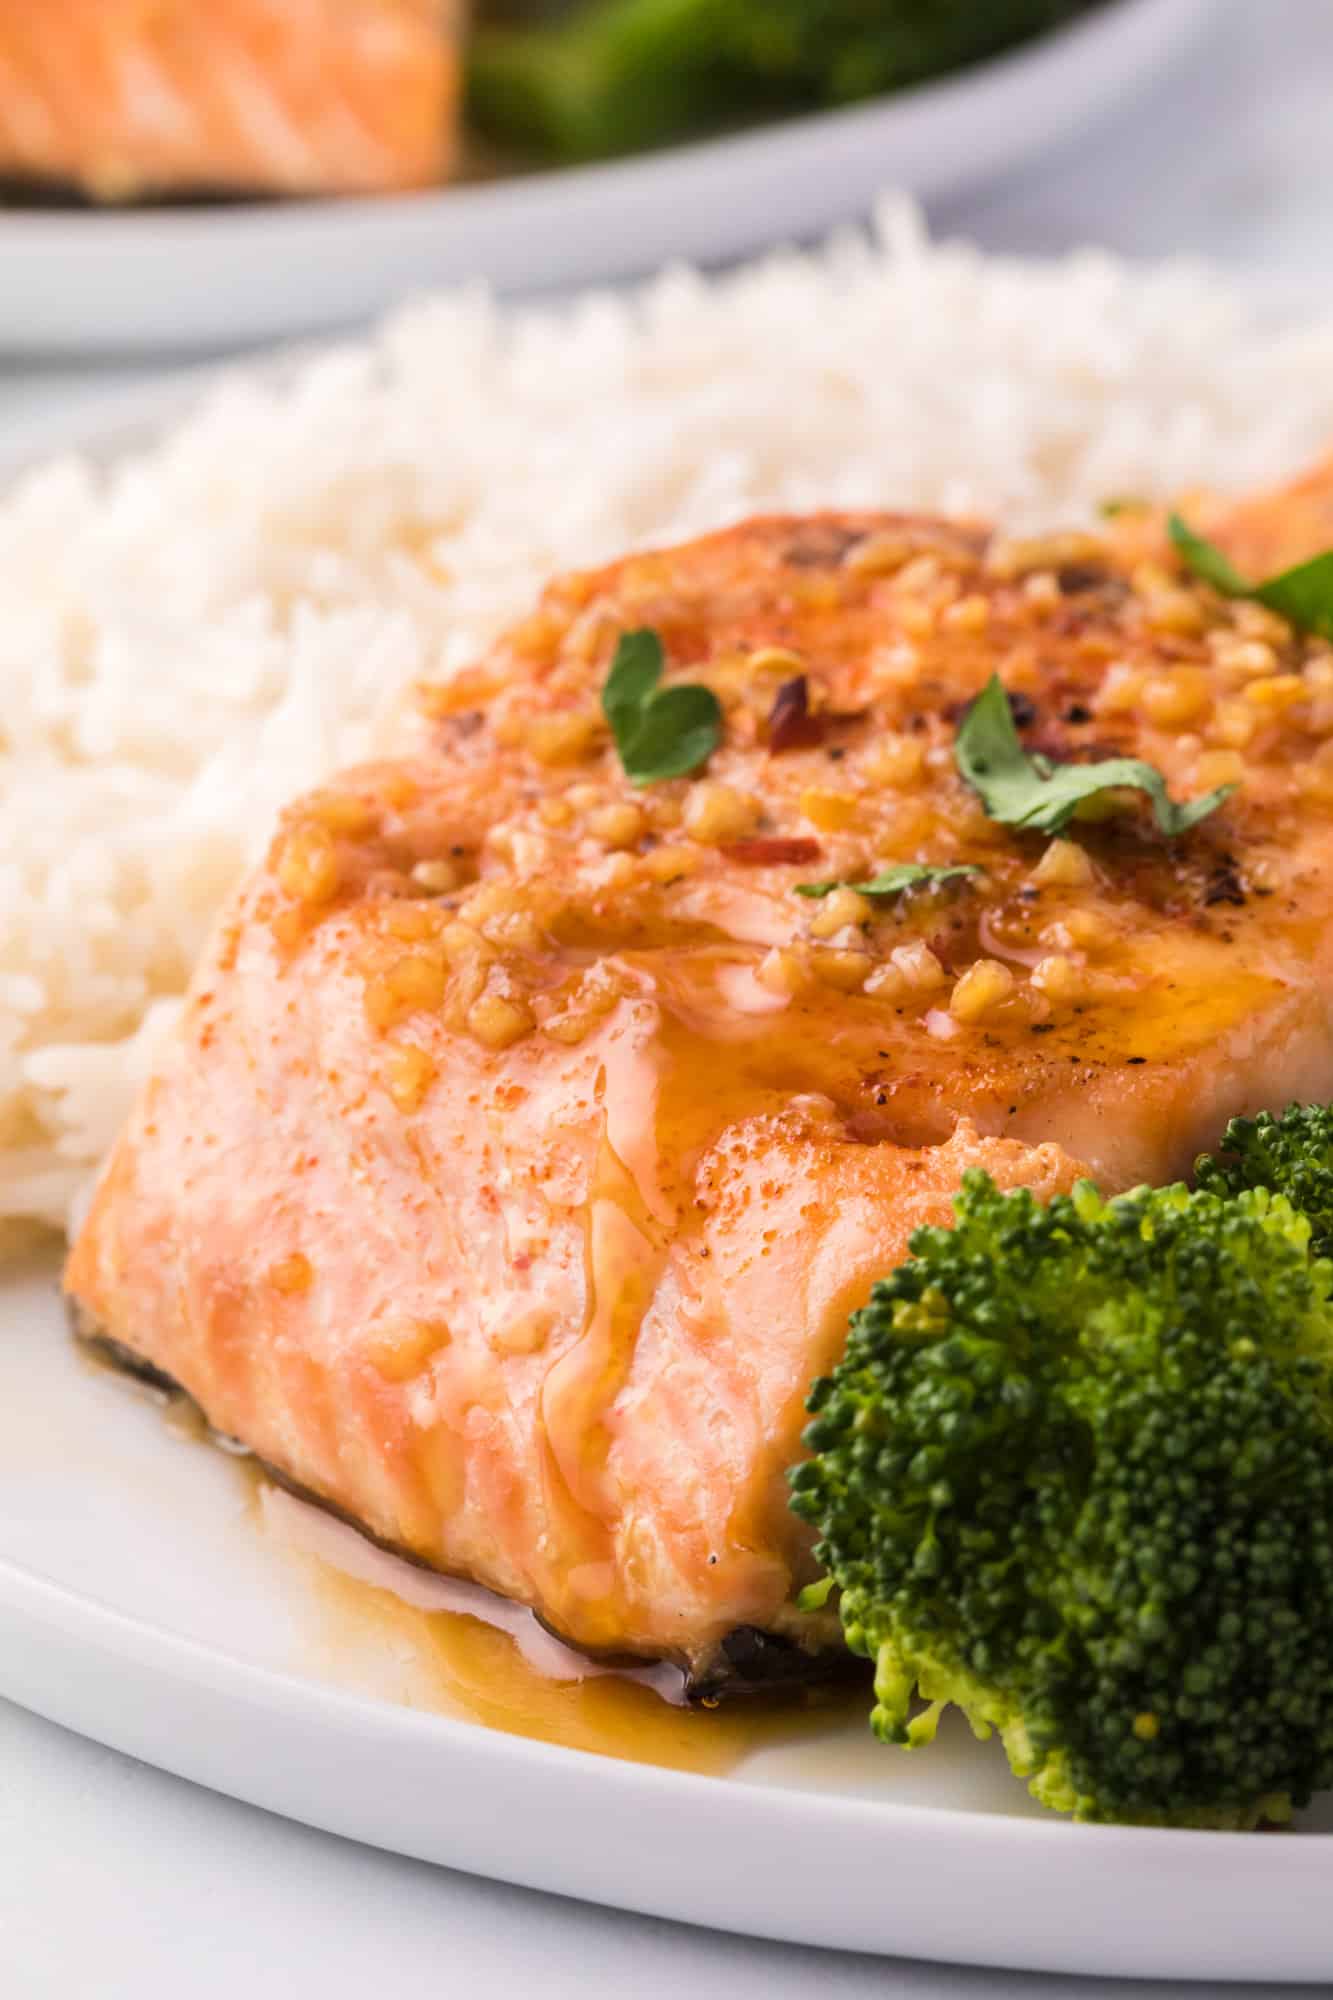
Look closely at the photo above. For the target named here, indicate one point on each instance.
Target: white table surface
(119, 1883)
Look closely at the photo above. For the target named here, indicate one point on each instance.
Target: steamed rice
(190, 638)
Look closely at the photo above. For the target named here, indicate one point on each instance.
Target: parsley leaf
(1206, 559)
(635, 672)
(893, 881)
(1041, 797)
(659, 732)
(1303, 595)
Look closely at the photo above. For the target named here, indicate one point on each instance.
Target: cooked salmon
(529, 1138)
(125, 98)
(1266, 534)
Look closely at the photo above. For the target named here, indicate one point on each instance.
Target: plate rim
(882, 1875)
(20, 1583)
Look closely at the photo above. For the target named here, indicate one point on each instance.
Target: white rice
(190, 638)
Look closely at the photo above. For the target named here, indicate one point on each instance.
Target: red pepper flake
(790, 723)
(773, 853)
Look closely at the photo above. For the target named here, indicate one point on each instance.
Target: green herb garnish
(1303, 595)
(659, 732)
(1206, 559)
(893, 881)
(1033, 793)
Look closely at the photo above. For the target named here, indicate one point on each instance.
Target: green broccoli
(1075, 1474)
(1292, 1155)
(618, 75)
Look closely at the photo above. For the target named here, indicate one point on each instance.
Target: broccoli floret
(1075, 1474)
(617, 75)
(1291, 1155)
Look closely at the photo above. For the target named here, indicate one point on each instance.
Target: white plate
(77, 282)
(143, 1603)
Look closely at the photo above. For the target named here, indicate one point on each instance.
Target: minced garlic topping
(515, 883)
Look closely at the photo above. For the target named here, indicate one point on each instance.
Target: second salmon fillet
(123, 99)
(529, 1138)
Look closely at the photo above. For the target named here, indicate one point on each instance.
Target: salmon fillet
(1263, 535)
(124, 98)
(528, 1139)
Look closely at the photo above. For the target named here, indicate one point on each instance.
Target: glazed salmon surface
(288, 96)
(529, 1139)
(1264, 535)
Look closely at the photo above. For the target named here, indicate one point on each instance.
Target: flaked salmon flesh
(528, 1139)
(124, 98)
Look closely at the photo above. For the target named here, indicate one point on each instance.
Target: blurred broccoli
(618, 75)
(1291, 1155)
(1075, 1474)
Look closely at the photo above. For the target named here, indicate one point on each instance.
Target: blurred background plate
(80, 282)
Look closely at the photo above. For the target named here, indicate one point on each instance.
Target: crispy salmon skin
(122, 99)
(529, 1138)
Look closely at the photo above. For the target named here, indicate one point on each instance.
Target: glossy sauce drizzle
(372, 1638)
(374, 1630)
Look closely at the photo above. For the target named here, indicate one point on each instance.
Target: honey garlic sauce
(896, 623)
(376, 1625)
(374, 1630)
(457, 1665)
(530, 1139)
